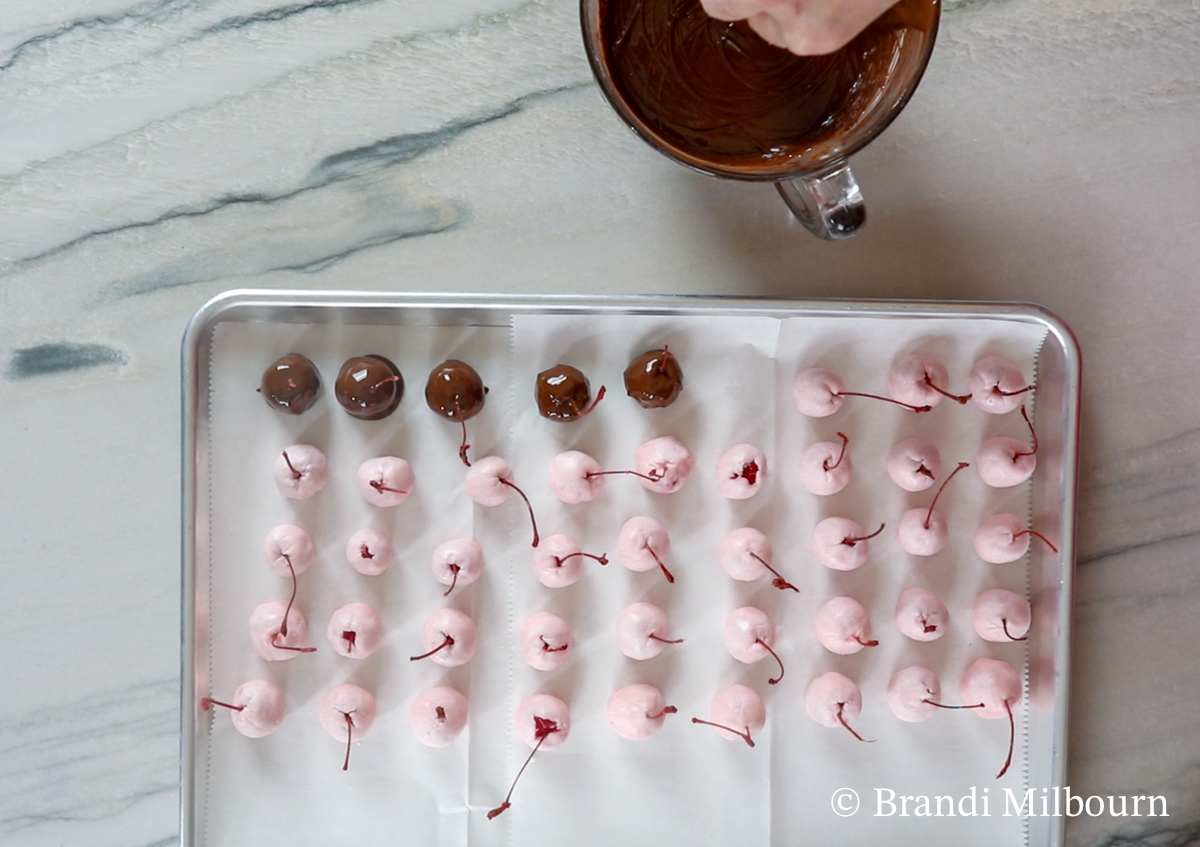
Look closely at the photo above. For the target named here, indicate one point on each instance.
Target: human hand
(805, 27)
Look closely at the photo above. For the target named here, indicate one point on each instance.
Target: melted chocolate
(719, 96)
(455, 391)
(654, 379)
(562, 393)
(291, 384)
(369, 387)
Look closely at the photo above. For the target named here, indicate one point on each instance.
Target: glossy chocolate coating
(562, 393)
(369, 387)
(291, 384)
(654, 379)
(455, 390)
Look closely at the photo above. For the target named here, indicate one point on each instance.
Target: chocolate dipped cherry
(558, 561)
(291, 384)
(438, 716)
(545, 641)
(257, 707)
(923, 532)
(489, 483)
(369, 552)
(842, 544)
(1000, 615)
(914, 464)
(825, 467)
(914, 695)
(737, 713)
(843, 626)
(654, 379)
(833, 700)
(663, 465)
(355, 631)
(458, 561)
(750, 636)
(278, 631)
(369, 387)
(300, 471)
(997, 385)
(819, 392)
(643, 544)
(575, 477)
(456, 392)
(1003, 462)
(637, 711)
(921, 615)
(1003, 537)
(542, 721)
(347, 712)
(385, 481)
(289, 551)
(643, 631)
(449, 638)
(563, 394)
(741, 471)
(746, 555)
(996, 685)
(921, 381)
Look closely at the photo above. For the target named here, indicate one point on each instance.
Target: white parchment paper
(686, 785)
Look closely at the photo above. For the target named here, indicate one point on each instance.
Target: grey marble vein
(280, 13)
(62, 356)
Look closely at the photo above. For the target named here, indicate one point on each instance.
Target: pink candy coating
(909, 689)
(369, 552)
(914, 464)
(842, 625)
(906, 382)
(556, 563)
(998, 609)
(817, 468)
(355, 631)
(741, 471)
(630, 710)
(665, 459)
(641, 631)
(740, 708)
(738, 550)
(545, 641)
(640, 540)
(916, 538)
(483, 481)
(458, 626)
(1003, 462)
(462, 553)
(806, 29)
(989, 377)
(921, 615)
(815, 392)
(997, 539)
(746, 631)
(304, 476)
(831, 548)
(993, 683)
(289, 543)
(547, 707)
(385, 481)
(438, 716)
(832, 695)
(571, 477)
(346, 701)
(265, 623)
(262, 711)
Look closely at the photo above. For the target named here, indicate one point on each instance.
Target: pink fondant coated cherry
(833, 700)
(912, 694)
(458, 561)
(558, 561)
(369, 551)
(737, 713)
(996, 685)
(385, 481)
(1003, 462)
(257, 708)
(842, 544)
(300, 471)
(741, 471)
(921, 615)
(289, 550)
(825, 467)
(278, 631)
(997, 385)
(746, 555)
(1000, 615)
(449, 638)
(355, 631)
(643, 631)
(438, 716)
(921, 381)
(638, 711)
(819, 392)
(1003, 537)
(750, 636)
(643, 544)
(923, 532)
(575, 477)
(914, 464)
(542, 721)
(546, 641)
(843, 626)
(489, 483)
(346, 713)
(663, 465)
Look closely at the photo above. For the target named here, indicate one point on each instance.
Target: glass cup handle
(829, 204)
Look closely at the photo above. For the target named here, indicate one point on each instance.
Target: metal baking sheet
(739, 357)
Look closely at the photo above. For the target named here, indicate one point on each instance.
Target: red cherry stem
(1012, 733)
(378, 485)
(292, 599)
(961, 398)
(850, 542)
(446, 642)
(546, 648)
(666, 710)
(351, 638)
(278, 646)
(927, 626)
(1011, 637)
(774, 656)
(349, 738)
(454, 569)
(1032, 434)
(666, 640)
(295, 473)
(845, 442)
(670, 577)
(440, 711)
(910, 407)
(944, 706)
(208, 701)
(871, 643)
(996, 390)
(602, 558)
(842, 720)
(528, 506)
(745, 735)
(779, 581)
(599, 396)
(1036, 534)
(929, 514)
(542, 735)
(650, 477)
(385, 381)
(924, 471)
(464, 447)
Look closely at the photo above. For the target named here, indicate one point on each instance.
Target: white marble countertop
(153, 154)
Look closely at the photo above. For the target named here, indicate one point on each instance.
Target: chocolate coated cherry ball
(654, 379)
(562, 393)
(455, 391)
(369, 387)
(291, 384)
